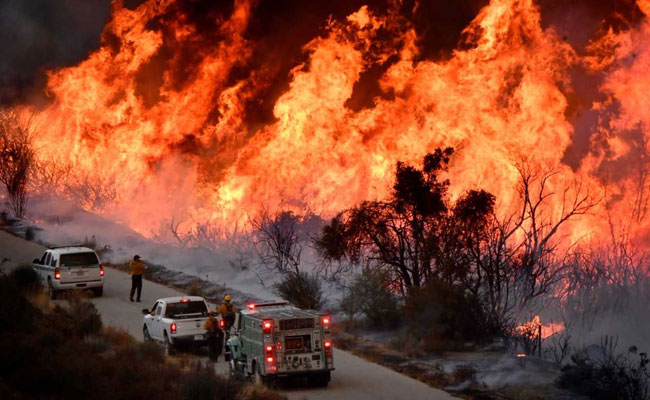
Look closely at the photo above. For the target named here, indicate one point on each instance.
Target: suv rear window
(176, 310)
(78, 259)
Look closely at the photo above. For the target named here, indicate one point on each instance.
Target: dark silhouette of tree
(16, 159)
(414, 233)
(419, 235)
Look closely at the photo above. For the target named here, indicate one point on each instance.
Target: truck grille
(296, 323)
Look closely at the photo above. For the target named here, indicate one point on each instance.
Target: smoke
(38, 35)
(60, 222)
(41, 35)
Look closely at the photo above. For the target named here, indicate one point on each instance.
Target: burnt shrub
(252, 392)
(441, 316)
(463, 374)
(204, 384)
(371, 293)
(16, 313)
(26, 278)
(607, 375)
(301, 289)
(30, 234)
(79, 318)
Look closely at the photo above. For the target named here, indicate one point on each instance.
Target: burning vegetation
(194, 112)
(480, 163)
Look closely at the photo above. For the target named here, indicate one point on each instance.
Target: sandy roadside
(15, 251)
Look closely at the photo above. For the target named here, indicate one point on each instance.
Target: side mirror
(37, 261)
(145, 311)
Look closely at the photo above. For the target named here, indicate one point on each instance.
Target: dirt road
(354, 377)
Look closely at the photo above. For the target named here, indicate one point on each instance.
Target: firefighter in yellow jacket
(136, 269)
(214, 336)
(227, 311)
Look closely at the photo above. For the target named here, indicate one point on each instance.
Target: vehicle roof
(279, 312)
(71, 250)
(177, 299)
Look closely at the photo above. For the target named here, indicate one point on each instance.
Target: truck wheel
(146, 335)
(170, 350)
(98, 292)
(51, 292)
(258, 379)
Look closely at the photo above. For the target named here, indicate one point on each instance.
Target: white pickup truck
(176, 321)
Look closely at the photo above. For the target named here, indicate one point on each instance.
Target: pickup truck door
(151, 322)
(157, 323)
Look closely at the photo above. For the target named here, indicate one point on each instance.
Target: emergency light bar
(252, 306)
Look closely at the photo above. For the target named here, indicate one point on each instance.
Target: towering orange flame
(500, 100)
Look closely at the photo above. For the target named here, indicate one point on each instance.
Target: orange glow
(548, 330)
(184, 151)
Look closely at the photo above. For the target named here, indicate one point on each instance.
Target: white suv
(70, 267)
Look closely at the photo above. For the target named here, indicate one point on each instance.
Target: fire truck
(276, 340)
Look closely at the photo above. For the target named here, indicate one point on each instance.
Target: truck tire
(170, 350)
(258, 379)
(98, 292)
(51, 292)
(146, 335)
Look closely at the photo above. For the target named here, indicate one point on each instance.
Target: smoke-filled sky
(37, 35)
(215, 109)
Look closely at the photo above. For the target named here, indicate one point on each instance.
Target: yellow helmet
(228, 297)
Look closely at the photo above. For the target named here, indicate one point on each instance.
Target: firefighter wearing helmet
(227, 311)
(214, 335)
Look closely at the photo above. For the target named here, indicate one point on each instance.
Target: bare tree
(540, 265)
(16, 159)
(93, 192)
(49, 176)
(516, 260)
(278, 242)
(558, 345)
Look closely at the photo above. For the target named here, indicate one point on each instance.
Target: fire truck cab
(275, 340)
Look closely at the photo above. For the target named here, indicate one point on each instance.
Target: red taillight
(222, 324)
(57, 273)
(267, 326)
(101, 270)
(329, 359)
(185, 300)
(270, 355)
(172, 328)
(325, 320)
(251, 306)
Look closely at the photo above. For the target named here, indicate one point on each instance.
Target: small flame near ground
(547, 330)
